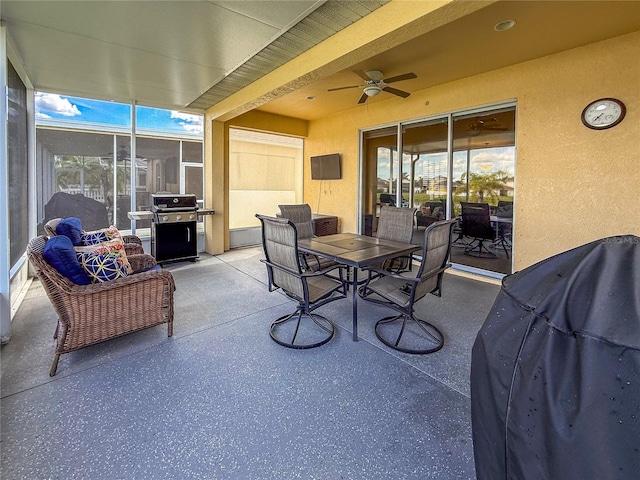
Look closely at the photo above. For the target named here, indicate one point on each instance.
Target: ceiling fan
(479, 125)
(374, 83)
(121, 155)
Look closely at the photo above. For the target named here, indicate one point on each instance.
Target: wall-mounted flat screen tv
(326, 167)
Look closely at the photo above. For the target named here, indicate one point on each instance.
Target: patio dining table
(356, 251)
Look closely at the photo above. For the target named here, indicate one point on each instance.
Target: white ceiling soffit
(322, 23)
(173, 54)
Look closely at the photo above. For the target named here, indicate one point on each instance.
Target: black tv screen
(326, 167)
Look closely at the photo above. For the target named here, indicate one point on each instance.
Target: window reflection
(484, 173)
(482, 166)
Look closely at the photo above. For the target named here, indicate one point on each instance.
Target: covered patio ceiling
(193, 55)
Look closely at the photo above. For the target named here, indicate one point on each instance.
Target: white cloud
(493, 160)
(47, 103)
(191, 123)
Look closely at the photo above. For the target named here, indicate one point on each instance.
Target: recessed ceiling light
(504, 25)
(311, 97)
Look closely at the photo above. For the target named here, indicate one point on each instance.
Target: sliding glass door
(447, 161)
(483, 176)
(380, 174)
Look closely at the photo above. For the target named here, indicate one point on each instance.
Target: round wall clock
(603, 113)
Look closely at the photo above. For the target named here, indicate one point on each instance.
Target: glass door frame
(450, 118)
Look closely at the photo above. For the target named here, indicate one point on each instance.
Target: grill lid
(173, 201)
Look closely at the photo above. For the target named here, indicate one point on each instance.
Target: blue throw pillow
(60, 254)
(70, 227)
(102, 267)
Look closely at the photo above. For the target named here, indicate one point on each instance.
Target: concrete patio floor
(220, 399)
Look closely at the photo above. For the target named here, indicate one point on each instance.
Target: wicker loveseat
(89, 314)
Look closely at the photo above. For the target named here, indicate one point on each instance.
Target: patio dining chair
(302, 218)
(396, 224)
(303, 328)
(405, 332)
(476, 224)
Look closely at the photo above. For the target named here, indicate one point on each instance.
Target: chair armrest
(306, 274)
(131, 239)
(386, 273)
(141, 262)
(133, 249)
(425, 220)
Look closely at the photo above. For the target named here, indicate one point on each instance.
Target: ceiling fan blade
(363, 98)
(404, 76)
(343, 88)
(362, 75)
(395, 91)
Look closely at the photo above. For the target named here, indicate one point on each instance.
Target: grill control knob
(192, 216)
(165, 218)
(178, 217)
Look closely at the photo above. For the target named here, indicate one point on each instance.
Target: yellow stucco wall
(573, 185)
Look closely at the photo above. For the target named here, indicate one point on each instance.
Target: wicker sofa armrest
(141, 262)
(133, 249)
(132, 239)
(132, 245)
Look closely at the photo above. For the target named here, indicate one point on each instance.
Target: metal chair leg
(482, 250)
(424, 339)
(320, 329)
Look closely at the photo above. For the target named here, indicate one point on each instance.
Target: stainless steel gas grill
(173, 228)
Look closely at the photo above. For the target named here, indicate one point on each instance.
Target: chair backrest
(388, 199)
(50, 226)
(435, 254)
(504, 209)
(437, 209)
(301, 216)
(280, 245)
(396, 224)
(476, 221)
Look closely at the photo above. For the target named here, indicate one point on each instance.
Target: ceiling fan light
(372, 91)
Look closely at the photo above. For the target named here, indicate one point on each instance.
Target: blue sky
(65, 108)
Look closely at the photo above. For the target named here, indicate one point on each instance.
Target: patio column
(216, 192)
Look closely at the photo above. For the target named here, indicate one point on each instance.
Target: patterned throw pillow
(99, 236)
(114, 247)
(102, 267)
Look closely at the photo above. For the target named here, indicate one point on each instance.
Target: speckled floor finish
(221, 400)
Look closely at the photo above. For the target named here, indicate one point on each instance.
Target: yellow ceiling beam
(392, 24)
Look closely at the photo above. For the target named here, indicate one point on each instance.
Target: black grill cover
(555, 373)
(92, 214)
